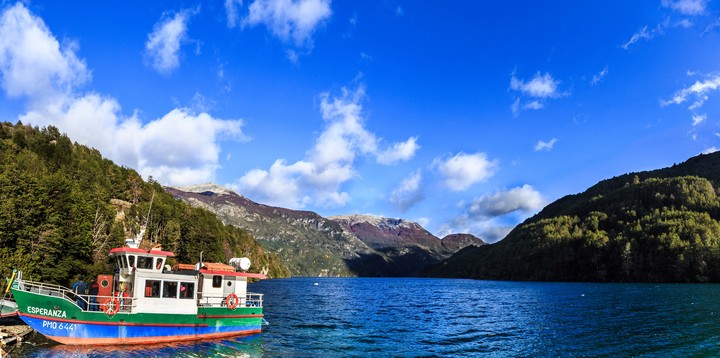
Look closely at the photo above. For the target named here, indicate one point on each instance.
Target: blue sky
(464, 116)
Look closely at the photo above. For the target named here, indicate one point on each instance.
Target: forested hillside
(63, 206)
(655, 226)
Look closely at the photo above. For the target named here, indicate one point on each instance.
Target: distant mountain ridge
(654, 226)
(311, 245)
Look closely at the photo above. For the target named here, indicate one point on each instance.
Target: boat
(8, 307)
(146, 301)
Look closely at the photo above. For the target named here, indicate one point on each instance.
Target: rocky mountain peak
(377, 221)
(207, 187)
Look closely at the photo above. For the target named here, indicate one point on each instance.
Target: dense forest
(654, 226)
(63, 207)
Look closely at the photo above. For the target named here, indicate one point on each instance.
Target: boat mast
(135, 243)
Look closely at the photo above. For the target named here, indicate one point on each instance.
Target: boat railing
(46, 289)
(216, 300)
(86, 302)
(253, 299)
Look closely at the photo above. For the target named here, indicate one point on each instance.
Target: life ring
(232, 301)
(111, 306)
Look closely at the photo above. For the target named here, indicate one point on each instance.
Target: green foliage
(657, 226)
(57, 219)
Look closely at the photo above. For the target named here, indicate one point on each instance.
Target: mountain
(311, 245)
(401, 247)
(457, 242)
(653, 226)
(63, 207)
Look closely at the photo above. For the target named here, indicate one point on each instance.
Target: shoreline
(12, 333)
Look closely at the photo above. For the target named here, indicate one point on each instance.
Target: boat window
(145, 262)
(119, 262)
(124, 261)
(132, 260)
(158, 263)
(217, 281)
(187, 289)
(152, 288)
(170, 289)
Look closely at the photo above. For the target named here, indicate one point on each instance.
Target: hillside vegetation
(654, 226)
(63, 207)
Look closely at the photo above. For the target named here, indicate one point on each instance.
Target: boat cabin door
(228, 285)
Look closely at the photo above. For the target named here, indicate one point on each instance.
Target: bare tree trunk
(99, 235)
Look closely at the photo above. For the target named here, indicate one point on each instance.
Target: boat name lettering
(58, 325)
(46, 312)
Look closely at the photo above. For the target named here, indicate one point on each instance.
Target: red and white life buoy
(111, 306)
(232, 301)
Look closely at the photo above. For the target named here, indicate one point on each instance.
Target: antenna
(138, 238)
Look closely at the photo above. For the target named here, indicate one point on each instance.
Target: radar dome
(242, 263)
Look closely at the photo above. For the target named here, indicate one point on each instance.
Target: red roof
(184, 267)
(122, 250)
(212, 266)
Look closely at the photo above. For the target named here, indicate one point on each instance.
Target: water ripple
(435, 317)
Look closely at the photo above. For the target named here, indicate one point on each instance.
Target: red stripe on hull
(55, 319)
(148, 340)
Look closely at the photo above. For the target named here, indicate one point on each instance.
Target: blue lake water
(443, 317)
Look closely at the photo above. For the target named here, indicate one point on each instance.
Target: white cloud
(489, 231)
(697, 119)
(183, 146)
(402, 151)
(317, 179)
(710, 150)
(463, 170)
(534, 105)
(524, 199)
(231, 12)
(163, 44)
(294, 20)
(698, 90)
(535, 92)
(492, 216)
(32, 62)
(540, 86)
(423, 221)
(711, 27)
(686, 7)
(642, 34)
(599, 76)
(408, 193)
(179, 148)
(547, 146)
(684, 23)
(292, 56)
(515, 107)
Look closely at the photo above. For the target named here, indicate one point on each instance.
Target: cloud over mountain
(318, 178)
(179, 148)
(463, 170)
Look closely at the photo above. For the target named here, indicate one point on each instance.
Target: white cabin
(145, 283)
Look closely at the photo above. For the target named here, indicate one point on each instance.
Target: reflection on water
(248, 346)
